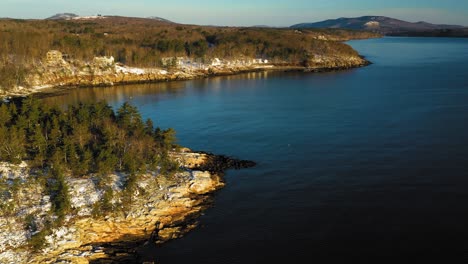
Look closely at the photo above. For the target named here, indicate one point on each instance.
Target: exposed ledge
(163, 208)
(50, 78)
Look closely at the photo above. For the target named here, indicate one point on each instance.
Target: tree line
(144, 42)
(83, 139)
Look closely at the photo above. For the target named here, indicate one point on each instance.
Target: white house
(216, 62)
(54, 57)
(103, 61)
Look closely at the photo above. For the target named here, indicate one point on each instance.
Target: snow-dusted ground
(41, 87)
(138, 71)
(105, 69)
(132, 70)
(88, 17)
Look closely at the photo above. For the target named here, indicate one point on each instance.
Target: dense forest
(85, 138)
(144, 42)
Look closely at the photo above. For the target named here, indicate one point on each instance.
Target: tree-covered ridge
(146, 42)
(143, 42)
(83, 139)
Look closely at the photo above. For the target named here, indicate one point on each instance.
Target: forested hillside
(85, 138)
(144, 42)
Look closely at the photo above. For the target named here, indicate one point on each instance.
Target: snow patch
(372, 24)
(88, 17)
(131, 70)
(13, 171)
(83, 195)
(40, 87)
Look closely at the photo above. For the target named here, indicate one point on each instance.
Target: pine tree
(13, 148)
(130, 119)
(38, 149)
(83, 139)
(58, 188)
(5, 115)
(149, 127)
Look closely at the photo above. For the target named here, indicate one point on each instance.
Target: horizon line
(220, 25)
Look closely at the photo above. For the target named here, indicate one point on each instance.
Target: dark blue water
(359, 166)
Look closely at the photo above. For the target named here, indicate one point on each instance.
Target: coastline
(51, 85)
(164, 207)
(166, 210)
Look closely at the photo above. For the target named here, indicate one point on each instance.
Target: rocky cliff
(104, 72)
(162, 207)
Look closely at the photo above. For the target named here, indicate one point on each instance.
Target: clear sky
(246, 12)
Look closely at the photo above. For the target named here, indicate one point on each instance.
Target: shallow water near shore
(363, 165)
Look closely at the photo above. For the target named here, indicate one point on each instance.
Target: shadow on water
(149, 92)
(136, 249)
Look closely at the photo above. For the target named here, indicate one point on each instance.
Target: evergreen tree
(149, 127)
(5, 115)
(83, 139)
(130, 119)
(13, 148)
(38, 146)
(58, 188)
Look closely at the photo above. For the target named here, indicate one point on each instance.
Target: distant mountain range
(71, 16)
(381, 24)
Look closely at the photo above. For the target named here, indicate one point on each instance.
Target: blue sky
(246, 12)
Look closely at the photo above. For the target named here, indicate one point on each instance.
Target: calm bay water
(365, 165)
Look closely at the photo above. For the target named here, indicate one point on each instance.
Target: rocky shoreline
(49, 78)
(163, 207)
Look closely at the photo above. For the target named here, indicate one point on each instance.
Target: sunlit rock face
(104, 71)
(162, 207)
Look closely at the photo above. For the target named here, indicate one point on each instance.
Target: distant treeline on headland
(145, 42)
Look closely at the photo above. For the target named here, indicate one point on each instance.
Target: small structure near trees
(104, 61)
(216, 62)
(54, 57)
(173, 61)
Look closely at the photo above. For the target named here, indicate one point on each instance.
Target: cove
(362, 165)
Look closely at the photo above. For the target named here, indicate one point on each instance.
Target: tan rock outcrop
(102, 71)
(160, 207)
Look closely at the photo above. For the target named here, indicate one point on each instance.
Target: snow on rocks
(83, 195)
(130, 70)
(12, 171)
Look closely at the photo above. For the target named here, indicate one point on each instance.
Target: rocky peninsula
(163, 208)
(75, 180)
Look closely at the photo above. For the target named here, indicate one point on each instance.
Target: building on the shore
(260, 61)
(169, 61)
(173, 61)
(103, 61)
(54, 57)
(216, 62)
